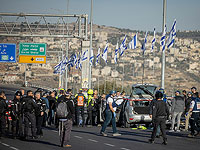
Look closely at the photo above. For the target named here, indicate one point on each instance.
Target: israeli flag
(57, 68)
(144, 44)
(122, 46)
(172, 35)
(78, 61)
(133, 43)
(162, 41)
(84, 56)
(105, 53)
(153, 40)
(98, 56)
(91, 56)
(116, 52)
(75, 59)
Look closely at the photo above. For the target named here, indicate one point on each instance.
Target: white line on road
(109, 144)
(54, 131)
(79, 137)
(124, 148)
(14, 148)
(93, 140)
(9, 146)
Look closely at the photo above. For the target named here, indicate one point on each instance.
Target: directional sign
(7, 52)
(38, 49)
(32, 59)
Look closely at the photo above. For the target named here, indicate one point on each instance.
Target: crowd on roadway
(62, 109)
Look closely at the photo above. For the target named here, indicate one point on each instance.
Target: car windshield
(143, 90)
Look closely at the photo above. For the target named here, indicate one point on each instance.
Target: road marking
(5, 144)
(93, 140)
(9, 146)
(79, 137)
(124, 148)
(14, 148)
(109, 144)
(55, 131)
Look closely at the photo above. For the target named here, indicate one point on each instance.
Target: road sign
(38, 49)
(32, 59)
(7, 52)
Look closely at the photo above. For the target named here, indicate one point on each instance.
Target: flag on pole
(144, 44)
(133, 43)
(172, 35)
(84, 56)
(162, 41)
(122, 46)
(153, 40)
(98, 54)
(78, 61)
(91, 57)
(116, 52)
(105, 53)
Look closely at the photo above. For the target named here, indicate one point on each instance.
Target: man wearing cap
(16, 114)
(178, 106)
(194, 92)
(110, 115)
(80, 102)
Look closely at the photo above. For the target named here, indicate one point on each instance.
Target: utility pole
(67, 47)
(90, 66)
(163, 52)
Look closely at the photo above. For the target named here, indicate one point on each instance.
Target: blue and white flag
(172, 35)
(105, 53)
(78, 64)
(122, 46)
(162, 41)
(133, 43)
(75, 59)
(153, 40)
(71, 61)
(84, 56)
(144, 44)
(91, 56)
(98, 56)
(57, 68)
(116, 52)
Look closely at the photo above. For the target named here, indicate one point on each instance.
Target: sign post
(7, 52)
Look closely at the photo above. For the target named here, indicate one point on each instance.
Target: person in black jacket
(187, 108)
(3, 107)
(160, 113)
(29, 108)
(16, 114)
(67, 122)
(52, 107)
(39, 113)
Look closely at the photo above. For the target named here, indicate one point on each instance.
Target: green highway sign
(37, 49)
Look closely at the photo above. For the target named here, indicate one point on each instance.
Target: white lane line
(14, 148)
(93, 140)
(5, 144)
(79, 137)
(109, 144)
(124, 148)
(54, 131)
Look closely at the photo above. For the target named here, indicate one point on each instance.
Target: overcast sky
(133, 14)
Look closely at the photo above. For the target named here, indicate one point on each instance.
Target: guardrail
(39, 86)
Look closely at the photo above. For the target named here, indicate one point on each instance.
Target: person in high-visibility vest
(90, 107)
(80, 102)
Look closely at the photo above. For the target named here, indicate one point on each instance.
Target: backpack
(62, 110)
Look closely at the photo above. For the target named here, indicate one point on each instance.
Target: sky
(130, 14)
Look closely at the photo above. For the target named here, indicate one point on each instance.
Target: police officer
(195, 109)
(3, 107)
(39, 113)
(29, 108)
(80, 102)
(90, 107)
(160, 113)
(16, 114)
(110, 114)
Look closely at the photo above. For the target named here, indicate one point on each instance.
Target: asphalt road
(84, 138)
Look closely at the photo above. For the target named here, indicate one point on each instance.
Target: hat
(18, 93)
(112, 92)
(178, 92)
(189, 93)
(193, 88)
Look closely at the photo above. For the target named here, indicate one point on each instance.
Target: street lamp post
(163, 52)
